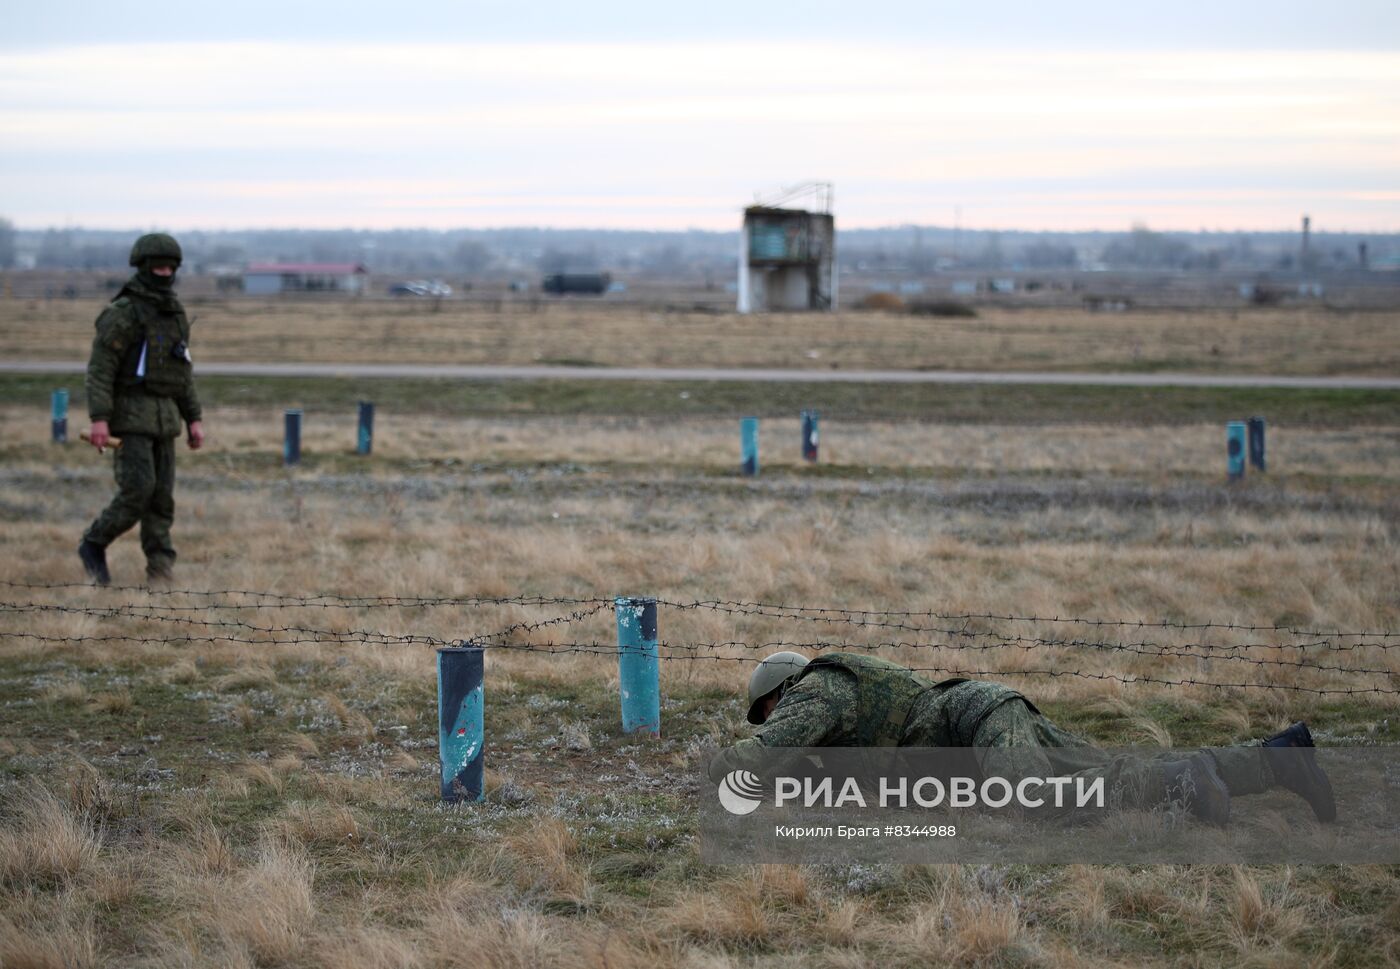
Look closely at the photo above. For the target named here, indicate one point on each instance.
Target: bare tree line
(697, 254)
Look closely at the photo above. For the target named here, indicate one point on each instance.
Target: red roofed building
(272, 278)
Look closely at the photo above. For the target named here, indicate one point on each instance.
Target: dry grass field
(257, 787)
(1308, 340)
(238, 800)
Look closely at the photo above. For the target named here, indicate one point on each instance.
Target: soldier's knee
(162, 503)
(978, 706)
(138, 493)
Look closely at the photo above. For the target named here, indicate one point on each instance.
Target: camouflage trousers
(145, 473)
(1024, 743)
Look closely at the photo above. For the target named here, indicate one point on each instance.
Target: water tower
(787, 256)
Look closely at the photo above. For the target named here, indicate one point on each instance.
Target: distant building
(787, 257)
(271, 279)
(1107, 304)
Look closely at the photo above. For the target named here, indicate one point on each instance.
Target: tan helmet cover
(770, 674)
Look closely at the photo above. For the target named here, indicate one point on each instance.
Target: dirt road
(471, 372)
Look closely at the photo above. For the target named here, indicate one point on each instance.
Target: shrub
(887, 302)
(942, 307)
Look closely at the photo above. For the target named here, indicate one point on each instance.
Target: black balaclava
(162, 284)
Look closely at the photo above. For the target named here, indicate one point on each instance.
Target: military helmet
(156, 245)
(770, 674)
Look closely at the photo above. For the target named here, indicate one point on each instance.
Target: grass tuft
(246, 678)
(317, 826)
(47, 841)
(68, 693)
(69, 942)
(270, 907)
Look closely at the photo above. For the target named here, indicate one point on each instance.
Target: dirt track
(470, 372)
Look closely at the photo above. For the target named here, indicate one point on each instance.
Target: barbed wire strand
(271, 635)
(1147, 648)
(674, 651)
(364, 637)
(319, 600)
(604, 649)
(867, 617)
(828, 614)
(1166, 652)
(329, 635)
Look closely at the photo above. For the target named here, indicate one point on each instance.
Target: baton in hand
(115, 442)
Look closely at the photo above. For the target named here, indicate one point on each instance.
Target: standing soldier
(140, 389)
(852, 700)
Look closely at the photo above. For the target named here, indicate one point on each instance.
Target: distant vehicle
(421, 287)
(585, 284)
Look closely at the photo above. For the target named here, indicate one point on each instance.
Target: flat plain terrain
(255, 784)
(1305, 340)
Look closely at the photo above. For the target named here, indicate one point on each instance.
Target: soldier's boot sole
(94, 558)
(1293, 760)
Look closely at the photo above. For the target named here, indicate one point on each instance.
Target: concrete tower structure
(787, 256)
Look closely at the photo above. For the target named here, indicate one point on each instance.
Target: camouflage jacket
(142, 318)
(847, 700)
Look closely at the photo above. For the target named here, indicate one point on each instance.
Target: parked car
(590, 284)
(421, 287)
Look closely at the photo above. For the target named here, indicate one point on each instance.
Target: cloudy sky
(1017, 114)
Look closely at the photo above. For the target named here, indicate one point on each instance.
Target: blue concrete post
(364, 441)
(638, 665)
(291, 438)
(59, 402)
(1234, 449)
(1256, 442)
(461, 721)
(748, 446)
(809, 435)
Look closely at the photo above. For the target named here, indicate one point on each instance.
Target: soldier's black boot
(1195, 783)
(160, 574)
(1297, 770)
(94, 558)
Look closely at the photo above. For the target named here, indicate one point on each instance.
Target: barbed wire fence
(1281, 657)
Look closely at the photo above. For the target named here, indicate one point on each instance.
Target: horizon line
(522, 227)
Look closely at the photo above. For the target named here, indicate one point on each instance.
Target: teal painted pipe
(59, 402)
(638, 665)
(809, 435)
(364, 440)
(461, 722)
(1256, 442)
(748, 446)
(291, 438)
(1234, 449)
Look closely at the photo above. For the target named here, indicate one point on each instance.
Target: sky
(1232, 114)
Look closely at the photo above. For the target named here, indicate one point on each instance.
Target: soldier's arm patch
(114, 324)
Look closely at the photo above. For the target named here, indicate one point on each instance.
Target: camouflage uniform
(849, 700)
(146, 412)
